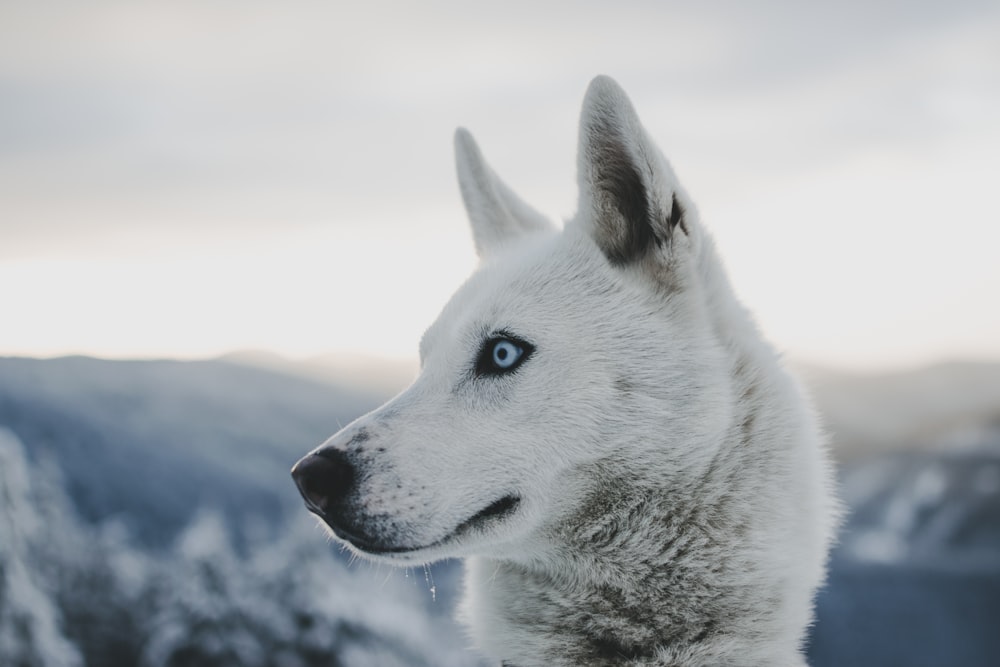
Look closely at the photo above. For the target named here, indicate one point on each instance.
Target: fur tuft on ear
(495, 212)
(626, 186)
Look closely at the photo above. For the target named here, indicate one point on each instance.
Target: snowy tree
(200, 620)
(289, 603)
(30, 624)
(105, 588)
(362, 615)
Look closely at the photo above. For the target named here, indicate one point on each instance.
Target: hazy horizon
(388, 370)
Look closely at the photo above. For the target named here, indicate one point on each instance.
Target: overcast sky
(189, 178)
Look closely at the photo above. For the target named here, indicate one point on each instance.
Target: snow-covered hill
(915, 578)
(150, 442)
(147, 518)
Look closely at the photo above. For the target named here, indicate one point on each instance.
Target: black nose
(324, 478)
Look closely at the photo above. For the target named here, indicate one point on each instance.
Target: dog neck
(624, 601)
(643, 574)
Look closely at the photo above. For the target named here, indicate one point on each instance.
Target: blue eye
(506, 354)
(502, 354)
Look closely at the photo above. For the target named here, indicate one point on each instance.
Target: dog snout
(325, 478)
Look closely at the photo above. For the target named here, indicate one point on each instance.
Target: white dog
(600, 428)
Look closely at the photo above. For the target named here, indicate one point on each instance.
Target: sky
(187, 179)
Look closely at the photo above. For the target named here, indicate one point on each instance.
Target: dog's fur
(649, 486)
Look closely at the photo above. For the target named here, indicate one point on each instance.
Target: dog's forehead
(531, 281)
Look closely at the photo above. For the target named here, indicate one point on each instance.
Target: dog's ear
(495, 212)
(629, 195)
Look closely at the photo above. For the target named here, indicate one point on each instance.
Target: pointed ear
(627, 188)
(495, 212)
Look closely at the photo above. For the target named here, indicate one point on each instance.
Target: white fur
(675, 502)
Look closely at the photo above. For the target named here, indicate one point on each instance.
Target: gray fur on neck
(693, 586)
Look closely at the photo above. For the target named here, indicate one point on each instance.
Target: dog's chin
(460, 541)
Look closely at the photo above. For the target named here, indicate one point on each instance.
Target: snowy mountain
(915, 578)
(147, 518)
(150, 442)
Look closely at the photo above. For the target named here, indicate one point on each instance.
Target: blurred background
(224, 226)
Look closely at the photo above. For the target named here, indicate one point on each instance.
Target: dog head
(566, 350)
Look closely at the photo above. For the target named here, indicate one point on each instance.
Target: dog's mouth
(493, 513)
